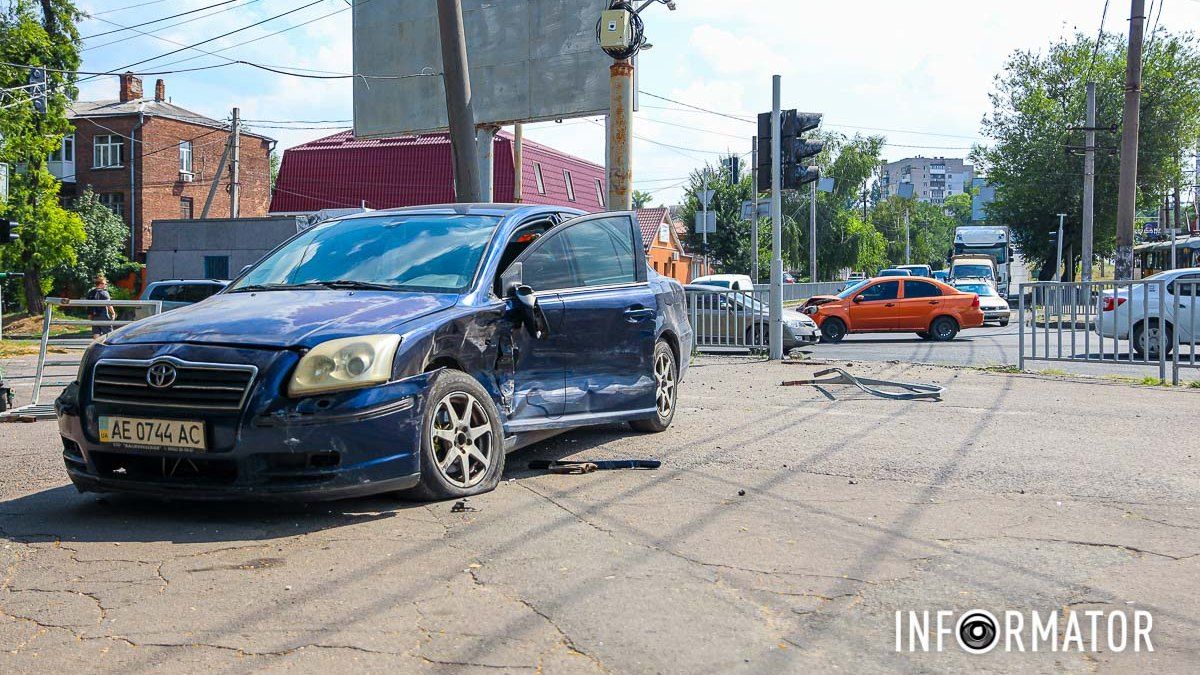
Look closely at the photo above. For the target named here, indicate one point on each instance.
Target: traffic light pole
(812, 231)
(754, 210)
(776, 227)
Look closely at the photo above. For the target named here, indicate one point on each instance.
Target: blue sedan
(393, 351)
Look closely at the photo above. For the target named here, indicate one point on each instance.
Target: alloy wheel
(461, 439)
(664, 379)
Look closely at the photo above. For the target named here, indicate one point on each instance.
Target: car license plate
(155, 434)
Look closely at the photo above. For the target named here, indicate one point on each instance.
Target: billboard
(530, 60)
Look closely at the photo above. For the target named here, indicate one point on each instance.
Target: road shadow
(63, 515)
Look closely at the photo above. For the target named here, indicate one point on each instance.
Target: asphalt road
(1014, 492)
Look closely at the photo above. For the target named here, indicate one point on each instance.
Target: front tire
(943, 329)
(666, 381)
(833, 330)
(462, 442)
(1004, 323)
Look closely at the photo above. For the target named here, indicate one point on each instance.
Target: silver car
(721, 317)
(995, 308)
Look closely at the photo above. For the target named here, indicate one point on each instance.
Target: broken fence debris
(588, 466)
(869, 385)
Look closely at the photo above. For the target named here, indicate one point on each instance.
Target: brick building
(149, 159)
(664, 249)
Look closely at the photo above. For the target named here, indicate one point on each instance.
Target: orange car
(931, 309)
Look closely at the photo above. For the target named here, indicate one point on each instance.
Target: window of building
(537, 175)
(108, 151)
(216, 267)
(65, 151)
(570, 186)
(186, 208)
(599, 193)
(185, 156)
(115, 201)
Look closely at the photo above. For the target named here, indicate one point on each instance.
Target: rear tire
(666, 387)
(1145, 341)
(462, 442)
(943, 329)
(833, 330)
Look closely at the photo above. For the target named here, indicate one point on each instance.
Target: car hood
(818, 300)
(282, 319)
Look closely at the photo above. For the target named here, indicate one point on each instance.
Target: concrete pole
(812, 231)
(776, 227)
(235, 187)
(704, 217)
(1089, 182)
(519, 162)
(1131, 126)
(1058, 271)
(754, 210)
(620, 136)
(907, 239)
(485, 138)
(1171, 231)
(459, 111)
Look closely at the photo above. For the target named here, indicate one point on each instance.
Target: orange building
(664, 250)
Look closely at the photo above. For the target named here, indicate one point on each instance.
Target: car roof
(482, 209)
(725, 277)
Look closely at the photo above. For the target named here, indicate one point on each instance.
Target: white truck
(987, 241)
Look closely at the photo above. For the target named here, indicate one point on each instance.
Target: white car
(995, 308)
(734, 282)
(1133, 313)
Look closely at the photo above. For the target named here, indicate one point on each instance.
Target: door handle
(934, 302)
(638, 313)
(890, 304)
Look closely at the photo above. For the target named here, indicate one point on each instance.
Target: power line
(147, 23)
(1099, 37)
(154, 33)
(121, 9)
(696, 107)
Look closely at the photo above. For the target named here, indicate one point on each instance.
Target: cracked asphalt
(1012, 493)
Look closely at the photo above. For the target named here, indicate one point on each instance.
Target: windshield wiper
(354, 285)
(254, 288)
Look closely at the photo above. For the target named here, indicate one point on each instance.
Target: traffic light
(37, 88)
(795, 150)
(8, 233)
(733, 164)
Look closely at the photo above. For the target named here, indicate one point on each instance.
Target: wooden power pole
(1131, 125)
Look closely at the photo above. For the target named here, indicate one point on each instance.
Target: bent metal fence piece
(54, 368)
(911, 391)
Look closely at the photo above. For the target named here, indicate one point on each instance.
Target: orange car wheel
(833, 330)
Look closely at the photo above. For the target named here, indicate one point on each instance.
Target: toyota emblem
(161, 375)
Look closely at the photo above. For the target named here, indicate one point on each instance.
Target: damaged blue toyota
(401, 351)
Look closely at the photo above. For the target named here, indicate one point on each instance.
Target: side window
(920, 289)
(547, 268)
(1184, 286)
(196, 292)
(602, 251)
(165, 292)
(887, 290)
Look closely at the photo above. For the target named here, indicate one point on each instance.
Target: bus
(988, 240)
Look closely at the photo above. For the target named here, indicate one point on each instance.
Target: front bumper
(319, 448)
(801, 335)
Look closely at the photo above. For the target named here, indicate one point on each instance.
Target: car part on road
(913, 391)
(588, 466)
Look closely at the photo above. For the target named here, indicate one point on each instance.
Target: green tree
(1041, 94)
(103, 249)
(37, 34)
(729, 246)
(930, 231)
(275, 160)
(960, 209)
(641, 199)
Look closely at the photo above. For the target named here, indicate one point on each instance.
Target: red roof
(342, 171)
(650, 220)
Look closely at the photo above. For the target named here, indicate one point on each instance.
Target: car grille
(198, 386)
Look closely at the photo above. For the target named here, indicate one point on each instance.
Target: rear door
(878, 309)
(917, 305)
(1184, 306)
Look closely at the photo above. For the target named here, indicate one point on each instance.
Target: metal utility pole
(1131, 126)
(235, 166)
(519, 162)
(1089, 182)
(1058, 271)
(907, 239)
(459, 111)
(754, 210)
(1165, 219)
(776, 314)
(812, 231)
(704, 199)
(620, 136)
(485, 138)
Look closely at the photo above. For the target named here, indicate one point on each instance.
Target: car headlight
(345, 363)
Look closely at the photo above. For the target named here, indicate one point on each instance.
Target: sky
(917, 72)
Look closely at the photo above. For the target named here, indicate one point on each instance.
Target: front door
(877, 310)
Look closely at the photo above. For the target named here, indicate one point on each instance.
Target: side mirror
(859, 298)
(510, 279)
(531, 313)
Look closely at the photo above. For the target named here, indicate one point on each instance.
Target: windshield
(723, 283)
(851, 288)
(424, 253)
(973, 271)
(978, 289)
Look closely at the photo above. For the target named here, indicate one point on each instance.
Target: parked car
(399, 350)
(1134, 316)
(995, 308)
(917, 270)
(894, 272)
(931, 309)
(733, 282)
(176, 293)
(789, 278)
(723, 317)
(941, 275)
(856, 276)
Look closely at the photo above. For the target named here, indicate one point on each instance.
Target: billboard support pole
(461, 116)
(620, 136)
(485, 137)
(518, 162)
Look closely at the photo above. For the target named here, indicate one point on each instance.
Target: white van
(734, 282)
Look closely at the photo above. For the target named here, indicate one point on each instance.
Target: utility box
(615, 32)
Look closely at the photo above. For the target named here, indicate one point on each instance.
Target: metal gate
(57, 373)
(730, 321)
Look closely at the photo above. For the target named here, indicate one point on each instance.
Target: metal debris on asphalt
(588, 466)
(461, 506)
(869, 385)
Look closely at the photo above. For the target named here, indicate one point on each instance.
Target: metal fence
(57, 373)
(1147, 323)
(730, 321)
(799, 292)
